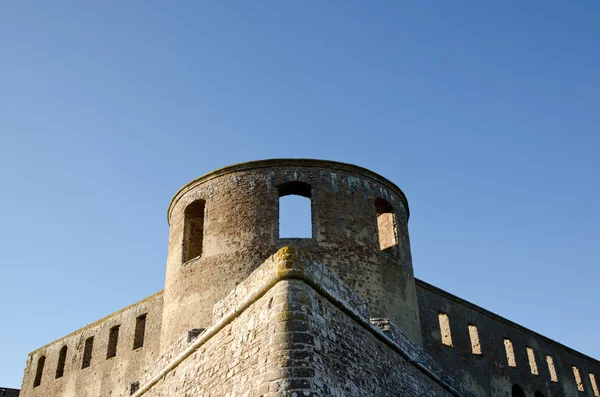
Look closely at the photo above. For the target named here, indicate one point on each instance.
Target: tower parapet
(224, 224)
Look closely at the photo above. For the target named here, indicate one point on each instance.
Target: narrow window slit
(445, 329)
(193, 230)
(510, 353)
(532, 362)
(594, 385)
(295, 212)
(62, 359)
(113, 340)
(474, 335)
(87, 352)
(578, 380)
(39, 371)
(140, 331)
(386, 225)
(551, 369)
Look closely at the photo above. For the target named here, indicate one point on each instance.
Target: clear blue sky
(486, 114)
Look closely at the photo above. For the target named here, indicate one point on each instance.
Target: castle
(245, 313)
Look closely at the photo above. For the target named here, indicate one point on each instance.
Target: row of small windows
(86, 361)
(295, 219)
(444, 321)
(510, 356)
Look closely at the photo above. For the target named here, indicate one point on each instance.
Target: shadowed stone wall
(488, 373)
(5, 392)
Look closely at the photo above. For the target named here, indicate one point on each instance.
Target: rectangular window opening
(193, 230)
(113, 339)
(445, 329)
(532, 362)
(295, 210)
(386, 225)
(578, 380)
(39, 371)
(474, 335)
(62, 359)
(594, 385)
(552, 369)
(87, 352)
(140, 331)
(510, 353)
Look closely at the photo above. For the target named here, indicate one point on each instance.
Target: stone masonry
(246, 313)
(5, 392)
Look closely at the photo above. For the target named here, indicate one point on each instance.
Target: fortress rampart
(246, 313)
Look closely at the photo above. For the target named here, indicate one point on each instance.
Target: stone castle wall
(337, 314)
(293, 329)
(294, 342)
(104, 376)
(238, 360)
(489, 373)
(5, 392)
(294, 326)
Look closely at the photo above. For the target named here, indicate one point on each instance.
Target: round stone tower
(224, 224)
